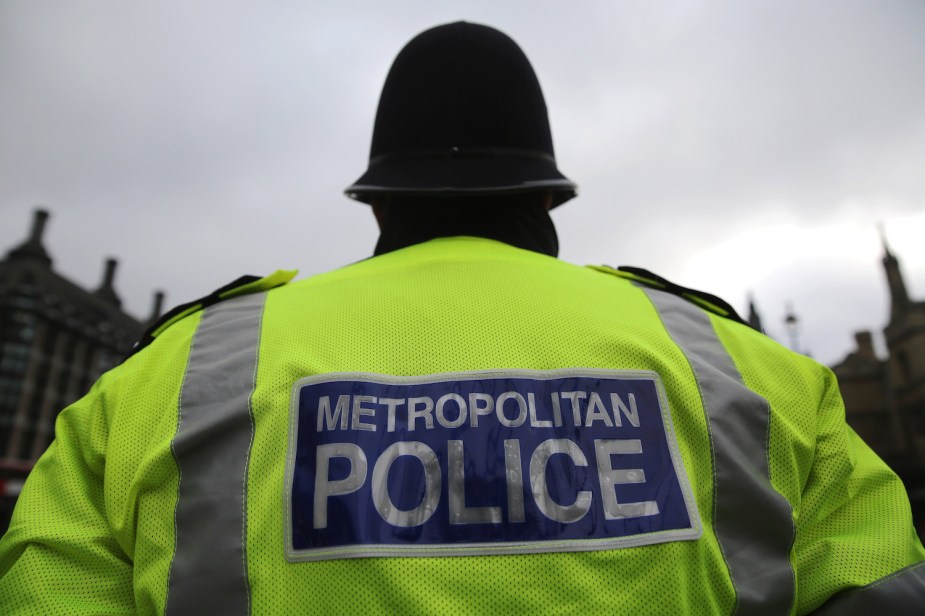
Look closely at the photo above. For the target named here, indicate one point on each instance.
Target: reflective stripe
(752, 522)
(902, 592)
(214, 433)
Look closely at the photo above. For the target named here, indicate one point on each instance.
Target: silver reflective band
(752, 522)
(902, 592)
(214, 433)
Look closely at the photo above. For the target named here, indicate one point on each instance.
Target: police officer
(463, 423)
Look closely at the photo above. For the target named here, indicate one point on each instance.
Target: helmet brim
(463, 175)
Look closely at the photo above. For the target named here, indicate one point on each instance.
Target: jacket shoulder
(245, 285)
(706, 301)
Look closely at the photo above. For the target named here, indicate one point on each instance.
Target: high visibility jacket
(460, 427)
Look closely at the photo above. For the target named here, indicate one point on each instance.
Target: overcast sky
(747, 147)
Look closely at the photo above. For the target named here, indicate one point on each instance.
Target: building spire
(793, 328)
(754, 319)
(899, 296)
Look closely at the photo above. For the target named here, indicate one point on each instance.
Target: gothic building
(885, 398)
(55, 340)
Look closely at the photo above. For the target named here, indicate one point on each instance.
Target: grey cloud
(199, 142)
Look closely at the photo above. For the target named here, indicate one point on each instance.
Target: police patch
(501, 462)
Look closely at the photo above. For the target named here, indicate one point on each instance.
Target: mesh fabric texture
(94, 529)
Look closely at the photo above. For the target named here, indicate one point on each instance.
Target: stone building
(885, 397)
(56, 338)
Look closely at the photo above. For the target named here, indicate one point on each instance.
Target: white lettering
(553, 510)
(556, 410)
(459, 512)
(610, 477)
(619, 407)
(391, 404)
(514, 473)
(574, 397)
(426, 412)
(432, 484)
(534, 421)
(521, 409)
(329, 417)
(325, 488)
(461, 413)
(479, 404)
(359, 410)
(597, 411)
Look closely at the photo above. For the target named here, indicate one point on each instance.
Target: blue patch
(483, 463)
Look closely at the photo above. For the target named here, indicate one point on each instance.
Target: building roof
(28, 282)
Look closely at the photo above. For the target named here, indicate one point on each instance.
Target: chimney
(38, 226)
(109, 276)
(106, 290)
(865, 343)
(32, 248)
(157, 306)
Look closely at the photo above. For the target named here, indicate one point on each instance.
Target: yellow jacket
(460, 427)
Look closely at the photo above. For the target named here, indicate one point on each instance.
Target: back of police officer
(463, 423)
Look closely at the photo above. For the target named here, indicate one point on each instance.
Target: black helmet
(461, 113)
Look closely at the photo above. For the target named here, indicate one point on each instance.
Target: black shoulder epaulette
(242, 286)
(706, 301)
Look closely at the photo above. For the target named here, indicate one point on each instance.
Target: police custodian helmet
(461, 113)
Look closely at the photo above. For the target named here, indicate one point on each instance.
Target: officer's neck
(526, 226)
